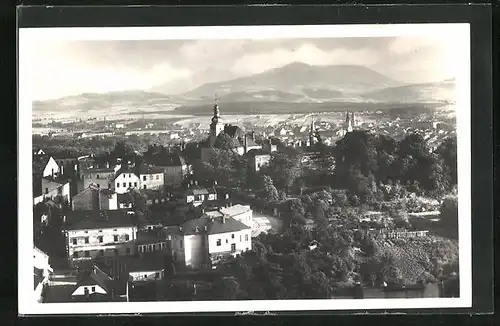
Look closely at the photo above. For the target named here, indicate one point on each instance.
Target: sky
(63, 68)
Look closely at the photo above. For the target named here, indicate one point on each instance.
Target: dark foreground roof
(147, 263)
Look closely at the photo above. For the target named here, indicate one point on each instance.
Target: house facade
(126, 179)
(151, 177)
(94, 198)
(100, 177)
(242, 213)
(174, 166)
(202, 242)
(51, 188)
(257, 159)
(91, 234)
(45, 166)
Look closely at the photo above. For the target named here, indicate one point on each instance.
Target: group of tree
(363, 161)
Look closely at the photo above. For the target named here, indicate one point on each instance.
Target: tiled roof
(214, 225)
(85, 220)
(97, 277)
(125, 169)
(235, 210)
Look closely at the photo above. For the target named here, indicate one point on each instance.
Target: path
(264, 223)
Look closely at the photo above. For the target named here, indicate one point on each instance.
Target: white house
(91, 234)
(41, 272)
(197, 195)
(94, 286)
(174, 166)
(45, 166)
(242, 213)
(202, 242)
(150, 177)
(125, 179)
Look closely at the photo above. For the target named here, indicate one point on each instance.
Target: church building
(244, 142)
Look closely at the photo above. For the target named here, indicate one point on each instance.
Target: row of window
(150, 177)
(125, 185)
(219, 241)
(100, 239)
(86, 253)
(152, 247)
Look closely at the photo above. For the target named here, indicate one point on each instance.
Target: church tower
(311, 133)
(349, 121)
(216, 126)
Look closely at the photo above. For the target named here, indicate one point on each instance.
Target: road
(264, 223)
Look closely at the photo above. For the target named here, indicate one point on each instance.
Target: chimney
(205, 228)
(107, 165)
(223, 218)
(253, 135)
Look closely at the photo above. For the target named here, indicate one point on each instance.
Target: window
(145, 187)
(46, 191)
(115, 238)
(115, 230)
(157, 177)
(86, 231)
(124, 184)
(129, 175)
(150, 248)
(246, 237)
(117, 185)
(232, 236)
(128, 251)
(135, 184)
(233, 247)
(86, 239)
(74, 241)
(97, 176)
(98, 186)
(157, 275)
(150, 177)
(100, 230)
(75, 254)
(145, 276)
(87, 254)
(143, 178)
(93, 289)
(127, 237)
(218, 242)
(227, 240)
(109, 185)
(240, 237)
(130, 184)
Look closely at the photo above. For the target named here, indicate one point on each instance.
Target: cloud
(307, 53)
(60, 70)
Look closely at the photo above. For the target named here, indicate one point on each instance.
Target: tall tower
(216, 126)
(311, 133)
(349, 121)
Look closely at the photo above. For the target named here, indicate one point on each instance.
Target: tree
(225, 142)
(284, 169)
(448, 152)
(227, 288)
(268, 191)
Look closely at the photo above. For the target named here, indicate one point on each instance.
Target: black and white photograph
(244, 168)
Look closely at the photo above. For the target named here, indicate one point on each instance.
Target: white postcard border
(27, 304)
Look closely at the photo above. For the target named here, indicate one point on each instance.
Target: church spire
(216, 107)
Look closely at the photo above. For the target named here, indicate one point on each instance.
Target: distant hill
(301, 79)
(183, 85)
(99, 101)
(426, 92)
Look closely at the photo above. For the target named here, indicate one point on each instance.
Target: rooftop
(257, 152)
(235, 210)
(148, 169)
(82, 220)
(167, 159)
(153, 236)
(214, 225)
